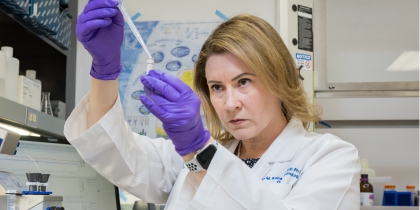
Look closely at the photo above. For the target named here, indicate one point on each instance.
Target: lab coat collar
(285, 146)
(283, 149)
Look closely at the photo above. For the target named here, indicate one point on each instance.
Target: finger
(156, 98)
(152, 106)
(147, 91)
(160, 87)
(86, 28)
(98, 14)
(173, 81)
(160, 100)
(118, 19)
(97, 4)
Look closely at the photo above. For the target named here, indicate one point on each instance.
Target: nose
(232, 101)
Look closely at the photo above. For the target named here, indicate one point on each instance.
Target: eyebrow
(235, 78)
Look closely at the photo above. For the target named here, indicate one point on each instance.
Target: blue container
(394, 198)
(18, 7)
(404, 199)
(62, 38)
(44, 16)
(390, 198)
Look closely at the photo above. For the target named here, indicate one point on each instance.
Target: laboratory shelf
(389, 208)
(33, 31)
(16, 114)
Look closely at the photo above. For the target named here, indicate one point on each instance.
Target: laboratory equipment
(366, 191)
(12, 73)
(59, 109)
(136, 33)
(13, 194)
(79, 185)
(395, 198)
(3, 69)
(8, 147)
(43, 179)
(412, 190)
(28, 92)
(32, 181)
(46, 103)
(31, 74)
(365, 168)
(378, 184)
(390, 195)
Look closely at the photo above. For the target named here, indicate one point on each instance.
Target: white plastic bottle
(3, 68)
(365, 168)
(31, 74)
(12, 73)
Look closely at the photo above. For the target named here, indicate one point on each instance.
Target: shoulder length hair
(260, 47)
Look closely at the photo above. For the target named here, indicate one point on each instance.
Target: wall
(385, 130)
(357, 44)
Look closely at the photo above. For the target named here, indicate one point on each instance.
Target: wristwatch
(202, 159)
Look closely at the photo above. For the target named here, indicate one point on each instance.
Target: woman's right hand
(100, 28)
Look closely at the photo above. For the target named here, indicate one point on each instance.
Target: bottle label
(366, 199)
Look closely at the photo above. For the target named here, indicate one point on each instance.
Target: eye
(244, 82)
(216, 87)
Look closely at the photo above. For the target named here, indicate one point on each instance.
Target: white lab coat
(300, 170)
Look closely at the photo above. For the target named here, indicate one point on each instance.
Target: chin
(242, 134)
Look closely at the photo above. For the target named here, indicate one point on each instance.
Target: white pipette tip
(150, 62)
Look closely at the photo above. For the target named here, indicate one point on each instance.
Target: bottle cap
(31, 74)
(390, 186)
(410, 187)
(364, 163)
(364, 176)
(8, 51)
(150, 61)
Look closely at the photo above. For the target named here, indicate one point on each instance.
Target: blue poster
(174, 46)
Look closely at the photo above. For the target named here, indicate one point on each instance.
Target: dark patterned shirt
(250, 161)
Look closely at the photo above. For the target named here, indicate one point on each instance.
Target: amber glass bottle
(366, 191)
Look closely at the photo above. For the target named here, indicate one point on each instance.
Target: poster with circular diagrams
(174, 46)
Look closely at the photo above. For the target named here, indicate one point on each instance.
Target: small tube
(150, 62)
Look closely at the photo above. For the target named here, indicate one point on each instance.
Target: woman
(254, 105)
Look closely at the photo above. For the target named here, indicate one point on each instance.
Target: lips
(237, 121)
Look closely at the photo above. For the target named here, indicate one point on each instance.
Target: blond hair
(260, 47)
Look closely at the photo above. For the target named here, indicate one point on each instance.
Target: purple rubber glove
(100, 28)
(178, 107)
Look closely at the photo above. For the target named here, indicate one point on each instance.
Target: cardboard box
(59, 109)
(29, 93)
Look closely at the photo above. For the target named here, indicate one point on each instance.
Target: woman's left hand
(178, 107)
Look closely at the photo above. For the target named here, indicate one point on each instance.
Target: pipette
(136, 33)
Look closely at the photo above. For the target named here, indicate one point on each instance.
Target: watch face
(205, 156)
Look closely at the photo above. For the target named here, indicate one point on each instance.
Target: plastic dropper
(136, 33)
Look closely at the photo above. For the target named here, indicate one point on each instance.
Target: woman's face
(245, 106)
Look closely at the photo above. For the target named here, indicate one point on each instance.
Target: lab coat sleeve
(329, 182)
(146, 168)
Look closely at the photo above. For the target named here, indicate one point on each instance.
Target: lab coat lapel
(283, 149)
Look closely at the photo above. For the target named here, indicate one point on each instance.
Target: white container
(3, 68)
(29, 93)
(59, 109)
(378, 184)
(31, 74)
(12, 73)
(365, 168)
